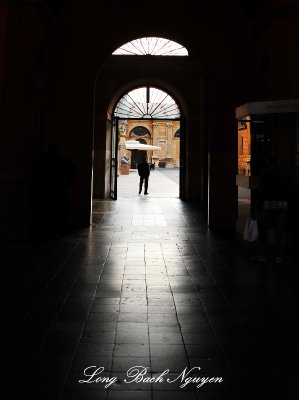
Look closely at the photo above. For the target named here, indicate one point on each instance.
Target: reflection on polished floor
(148, 285)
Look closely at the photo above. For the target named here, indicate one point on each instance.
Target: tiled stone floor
(149, 285)
(163, 182)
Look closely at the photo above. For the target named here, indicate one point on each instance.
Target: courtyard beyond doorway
(162, 183)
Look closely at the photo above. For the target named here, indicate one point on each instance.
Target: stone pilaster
(169, 135)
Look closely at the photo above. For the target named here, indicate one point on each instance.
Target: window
(147, 102)
(153, 46)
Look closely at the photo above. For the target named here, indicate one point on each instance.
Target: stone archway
(178, 77)
(149, 115)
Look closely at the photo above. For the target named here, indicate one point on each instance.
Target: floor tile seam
(115, 343)
(80, 337)
(24, 283)
(96, 221)
(206, 314)
(147, 303)
(229, 304)
(180, 327)
(37, 299)
(147, 314)
(220, 259)
(148, 334)
(64, 260)
(99, 222)
(204, 263)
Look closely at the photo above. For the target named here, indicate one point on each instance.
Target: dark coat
(143, 169)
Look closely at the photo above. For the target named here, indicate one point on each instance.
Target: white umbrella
(135, 145)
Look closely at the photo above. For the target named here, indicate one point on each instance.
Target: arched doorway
(156, 117)
(112, 84)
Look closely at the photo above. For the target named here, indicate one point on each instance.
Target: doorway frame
(107, 93)
(114, 167)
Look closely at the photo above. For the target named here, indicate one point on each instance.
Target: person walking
(144, 172)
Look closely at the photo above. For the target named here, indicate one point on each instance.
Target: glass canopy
(153, 46)
(147, 102)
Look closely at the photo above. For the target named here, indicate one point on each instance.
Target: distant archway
(140, 131)
(177, 133)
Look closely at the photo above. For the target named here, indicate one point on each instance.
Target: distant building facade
(165, 134)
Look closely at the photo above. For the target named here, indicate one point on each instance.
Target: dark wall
(22, 46)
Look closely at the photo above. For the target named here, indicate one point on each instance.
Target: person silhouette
(144, 172)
